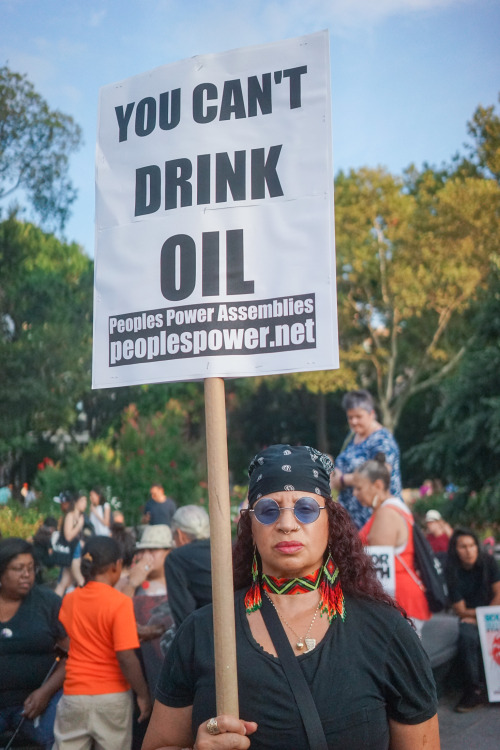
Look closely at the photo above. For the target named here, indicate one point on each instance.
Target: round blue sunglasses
(267, 511)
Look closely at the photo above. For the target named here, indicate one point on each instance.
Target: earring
(331, 594)
(253, 598)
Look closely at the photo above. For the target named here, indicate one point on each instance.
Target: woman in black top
(367, 672)
(29, 632)
(473, 581)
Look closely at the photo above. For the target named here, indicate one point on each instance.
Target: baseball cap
(433, 515)
(158, 536)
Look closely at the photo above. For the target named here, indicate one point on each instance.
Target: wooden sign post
(226, 682)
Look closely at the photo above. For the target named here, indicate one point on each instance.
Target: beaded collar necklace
(326, 579)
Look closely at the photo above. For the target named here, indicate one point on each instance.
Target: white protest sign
(383, 560)
(214, 218)
(488, 622)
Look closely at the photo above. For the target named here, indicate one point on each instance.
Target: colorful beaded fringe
(325, 578)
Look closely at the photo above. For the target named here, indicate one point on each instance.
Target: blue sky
(406, 74)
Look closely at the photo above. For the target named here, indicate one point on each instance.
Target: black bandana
(289, 467)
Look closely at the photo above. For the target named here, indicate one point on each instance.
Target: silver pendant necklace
(310, 643)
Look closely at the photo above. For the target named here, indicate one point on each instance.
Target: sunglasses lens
(306, 510)
(266, 511)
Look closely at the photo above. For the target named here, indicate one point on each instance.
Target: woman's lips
(289, 547)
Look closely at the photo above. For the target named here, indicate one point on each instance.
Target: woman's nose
(287, 520)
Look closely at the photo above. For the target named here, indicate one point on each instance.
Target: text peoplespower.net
(209, 329)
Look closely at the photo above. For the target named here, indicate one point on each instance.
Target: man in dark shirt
(159, 509)
(187, 568)
(473, 581)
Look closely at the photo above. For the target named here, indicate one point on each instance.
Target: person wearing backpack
(391, 524)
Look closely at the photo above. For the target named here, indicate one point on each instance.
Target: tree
(35, 145)
(45, 335)
(412, 255)
(485, 130)
(143, 450)
(463, 445)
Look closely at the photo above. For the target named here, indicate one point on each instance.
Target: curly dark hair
(357, 573)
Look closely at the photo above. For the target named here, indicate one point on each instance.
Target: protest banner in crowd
(383, 561)
(488, 622)
(214, 218)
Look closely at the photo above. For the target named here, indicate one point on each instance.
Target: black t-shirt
(367, 669)
(27, 644)
(189, 578)
(160, 512)
(474, 585)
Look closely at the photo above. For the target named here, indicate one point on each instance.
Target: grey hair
(375, 468)
(358, 400)
(193, 520)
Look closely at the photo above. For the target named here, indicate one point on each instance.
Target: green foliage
(35, 145)
(276, 411)
(463, 445)
(157, 449)
(411, 258)
(144, 450)
(45, 334)
(18, 521)
(476, 510)
(485, 130)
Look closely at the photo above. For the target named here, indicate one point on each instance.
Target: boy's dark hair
(100, 552)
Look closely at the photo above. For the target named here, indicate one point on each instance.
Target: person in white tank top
(100, 513)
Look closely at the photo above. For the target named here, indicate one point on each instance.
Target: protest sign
(214, 218)
(383, 560)
(488, 622)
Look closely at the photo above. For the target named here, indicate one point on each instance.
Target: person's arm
(106, 514)
(170, 729)
(447, 529)
(387, 445)
(466, 614)
(342, 481)
(131, 668)
(76, 571)
(72, 530)
(424, 736)
(137, 574)
(150, 632)
(37, 701)
(496, 594)
(387, 528)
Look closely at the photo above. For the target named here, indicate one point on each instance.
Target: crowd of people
(128, 623)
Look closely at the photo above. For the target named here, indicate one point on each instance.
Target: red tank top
(409, 589)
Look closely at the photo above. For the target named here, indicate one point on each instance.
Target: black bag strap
(295, 676)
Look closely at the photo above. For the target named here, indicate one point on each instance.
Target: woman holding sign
(325, 658)
(391, 524)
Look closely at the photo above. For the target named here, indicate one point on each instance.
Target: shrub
(144, 451)
(18, 521)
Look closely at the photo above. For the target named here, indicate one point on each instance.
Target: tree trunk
(321, 436)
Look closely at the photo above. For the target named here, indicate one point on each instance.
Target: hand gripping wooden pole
(226, 683)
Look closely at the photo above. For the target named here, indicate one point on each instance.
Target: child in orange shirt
(96, 706)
